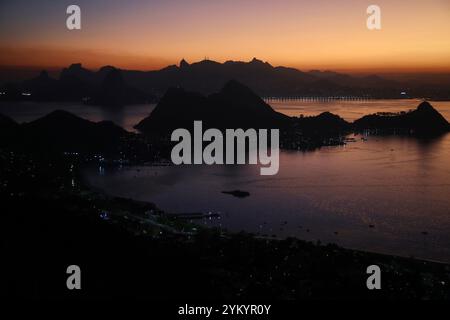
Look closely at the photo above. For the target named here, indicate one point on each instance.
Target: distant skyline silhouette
(107, 84)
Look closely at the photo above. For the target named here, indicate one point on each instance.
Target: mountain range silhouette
(209, 76)
(77, 83)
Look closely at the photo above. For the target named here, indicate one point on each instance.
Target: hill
(425, 120)
(61, 131)
(234, 106)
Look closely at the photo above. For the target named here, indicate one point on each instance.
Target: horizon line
(356, 70)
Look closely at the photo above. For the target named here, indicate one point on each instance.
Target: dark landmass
(423, 121)
(114, 91)
(61, 132)
(64, 131)
(234, 106)
(324, 123)
(309, 133)
(76, 83)
(238, 193)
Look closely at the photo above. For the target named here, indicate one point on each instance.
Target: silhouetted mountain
(325, 123)
(425, 120)
(183, 64)
(76, 70)
(43, 87)
(71, 86)
(114, 91)
(235, 106)
(62, 131)
(209, 76)
(105, 87)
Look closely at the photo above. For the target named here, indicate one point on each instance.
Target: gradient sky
(139, 34)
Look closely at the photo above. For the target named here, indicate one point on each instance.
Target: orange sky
(415, 35)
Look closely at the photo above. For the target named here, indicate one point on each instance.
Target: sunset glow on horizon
(148, 35)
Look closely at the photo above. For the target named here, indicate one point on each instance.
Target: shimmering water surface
(389, 195)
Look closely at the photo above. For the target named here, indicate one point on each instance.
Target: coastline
(226, 233)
